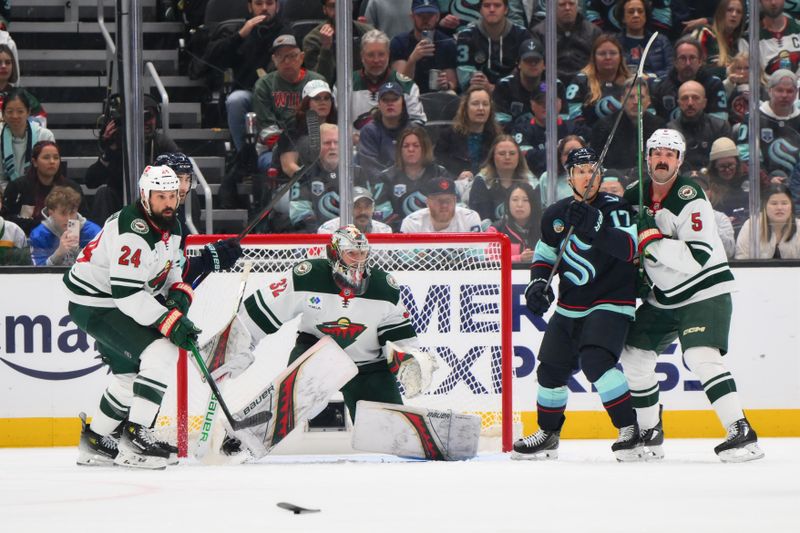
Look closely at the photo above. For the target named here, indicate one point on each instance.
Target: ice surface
(585, 491)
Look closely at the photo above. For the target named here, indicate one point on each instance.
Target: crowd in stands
(448, 101)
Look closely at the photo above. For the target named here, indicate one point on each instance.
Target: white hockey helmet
(348, 252)
(156, 178)
(667, 138)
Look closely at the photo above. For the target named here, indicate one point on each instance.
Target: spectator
(17, 136)
(724, 37)
(378, 139)
(602, 14)
(727, 178)
(363, 209)
(106, 174)
(780, 125)
(611, 184)
(442, 214)
(596, 91)
(523, 212)
(9, 76)
(457, 15)
(464, 147)
(778, 39)
(56, 241)
(504, 167)
(688, 65)
(723, 222)
(415, 54)
(777, 227)
(635, 16)
(512, 95)
(277, 95)
(489, 47)
(376, 72)
(699, 129)
(14, 248)
(248, 51)
(398, 190)
(24, 198)
(574, 39)
(737, 88)
(292, 148)
(389, 16)
(530, 131)
(315, 198)
(563, 188)
(621, 153)
(319, 44)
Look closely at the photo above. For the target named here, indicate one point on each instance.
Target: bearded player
(689, 300)
(116, 289)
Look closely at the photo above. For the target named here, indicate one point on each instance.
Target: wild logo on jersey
(342, 331)
(157, 282)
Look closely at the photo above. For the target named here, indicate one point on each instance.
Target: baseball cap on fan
(419, 7)
(316, 87)
(361, 192)
(530, 48)
(440, 186)
(283, 41)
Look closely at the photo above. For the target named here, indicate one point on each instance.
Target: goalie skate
(541, 445)
(628, 446)
(740, 445)
(94, 449)
(138, 448)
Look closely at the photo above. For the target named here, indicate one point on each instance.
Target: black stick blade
(255, 420)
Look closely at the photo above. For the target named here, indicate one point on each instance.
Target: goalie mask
(156, 178)
(348, 252)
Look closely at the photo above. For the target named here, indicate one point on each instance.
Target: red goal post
(456, 287)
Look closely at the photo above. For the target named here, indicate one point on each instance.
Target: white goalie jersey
(360, 325)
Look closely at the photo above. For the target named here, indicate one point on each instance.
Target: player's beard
(165, 218)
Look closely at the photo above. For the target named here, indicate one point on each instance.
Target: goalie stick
(312, 123)
(255, 420)
(602, 156)
(216, 360)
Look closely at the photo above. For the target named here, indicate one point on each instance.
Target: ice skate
(541, 445)
(654, 440)
(740, 445)
(628, 446)
(94, 449)
(138, 448)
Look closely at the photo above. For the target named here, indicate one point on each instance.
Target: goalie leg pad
(416, 432)
(298, 393)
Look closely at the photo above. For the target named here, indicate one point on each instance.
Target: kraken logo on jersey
(342, 331)
(399, 190)
(329, 205)
(558, 225)
(584, 268)
(414, 202)
(783, 154)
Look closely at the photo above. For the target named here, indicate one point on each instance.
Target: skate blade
(630, 456)
(653, 453)
(749, 452)
(539, 456)
(93, 459)
(135, 460)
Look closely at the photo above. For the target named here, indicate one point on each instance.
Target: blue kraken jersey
(592, 275)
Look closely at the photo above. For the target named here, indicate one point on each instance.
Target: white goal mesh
(456, 287)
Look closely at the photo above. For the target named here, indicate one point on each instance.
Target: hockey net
(456, 287)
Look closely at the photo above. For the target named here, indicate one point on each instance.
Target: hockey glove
(538, 296)
(648, 231)
(178, 329)
(179, 297)
(221, 255)
(413, 368)
(586, 220)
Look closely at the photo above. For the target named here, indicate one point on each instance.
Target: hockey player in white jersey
(126, 291)
(689, 300)
(359, 307)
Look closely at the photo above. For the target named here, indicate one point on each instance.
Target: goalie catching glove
(413, 368)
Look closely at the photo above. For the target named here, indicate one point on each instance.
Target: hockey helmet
(667, 138)
(348, 252)
(156, 178)
(177, 161)
(580, 156)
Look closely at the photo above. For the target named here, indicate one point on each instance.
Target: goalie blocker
(415, 432)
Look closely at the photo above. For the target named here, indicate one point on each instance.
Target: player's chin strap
(598, 167)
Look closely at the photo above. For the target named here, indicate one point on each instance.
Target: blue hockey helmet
(177, 161)
(580, 156)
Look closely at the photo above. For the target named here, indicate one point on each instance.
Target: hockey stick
(237, 425)
(216, 360)
(312, 123)
(602, 156)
